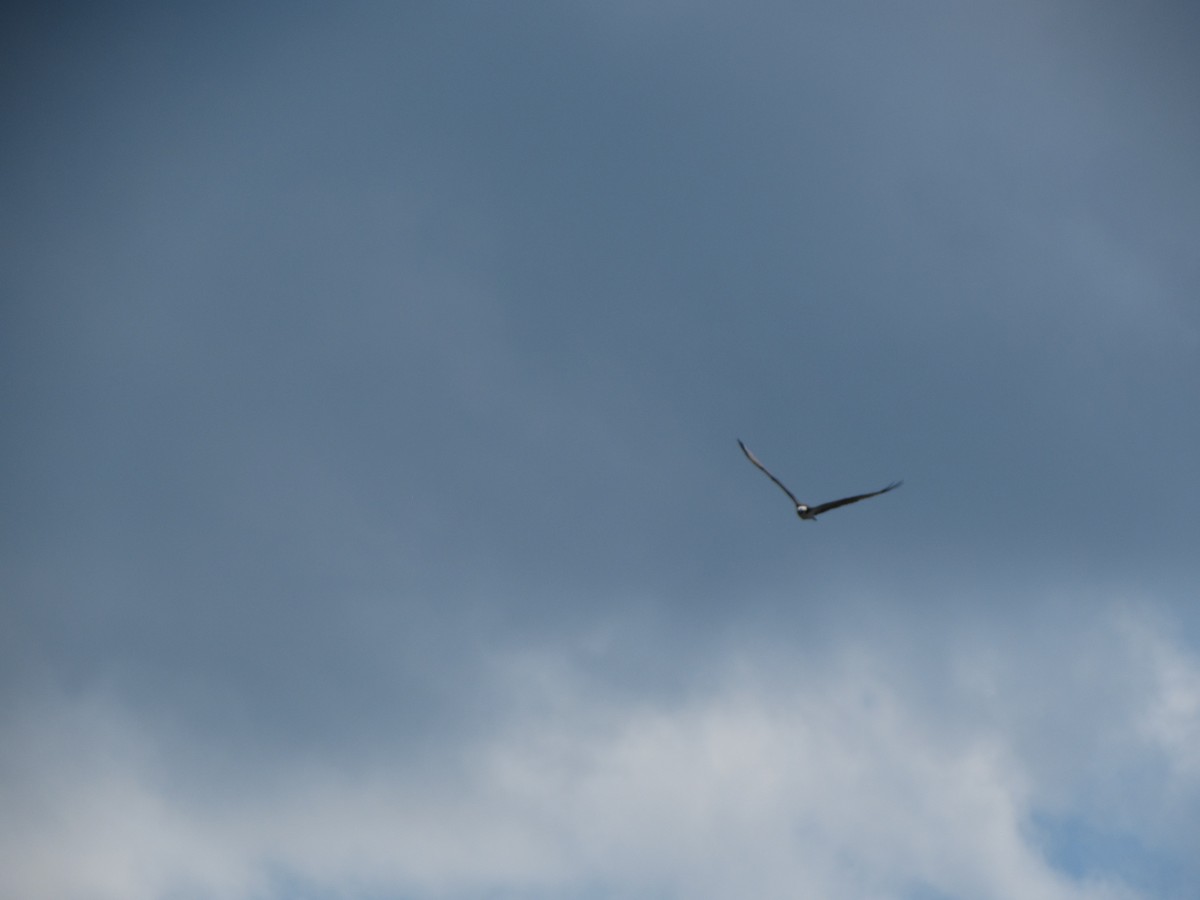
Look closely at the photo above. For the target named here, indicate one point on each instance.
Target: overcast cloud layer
(373, 524)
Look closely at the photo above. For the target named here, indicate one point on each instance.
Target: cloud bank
(836, 773)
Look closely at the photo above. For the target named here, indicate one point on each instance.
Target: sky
(373, 521)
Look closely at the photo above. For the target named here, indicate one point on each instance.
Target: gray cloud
(372, 377)
(834, 773)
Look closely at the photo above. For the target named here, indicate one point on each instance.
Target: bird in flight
(803, 510)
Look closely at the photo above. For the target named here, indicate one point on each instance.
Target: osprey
(805, 511)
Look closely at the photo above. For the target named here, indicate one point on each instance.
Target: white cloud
(837, 779)
(1172, 719)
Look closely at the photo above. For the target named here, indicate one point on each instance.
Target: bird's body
(803, 510)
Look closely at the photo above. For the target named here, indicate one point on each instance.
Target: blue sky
(373, 520)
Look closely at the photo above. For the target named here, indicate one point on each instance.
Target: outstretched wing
(845, 501)
(750, 456)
